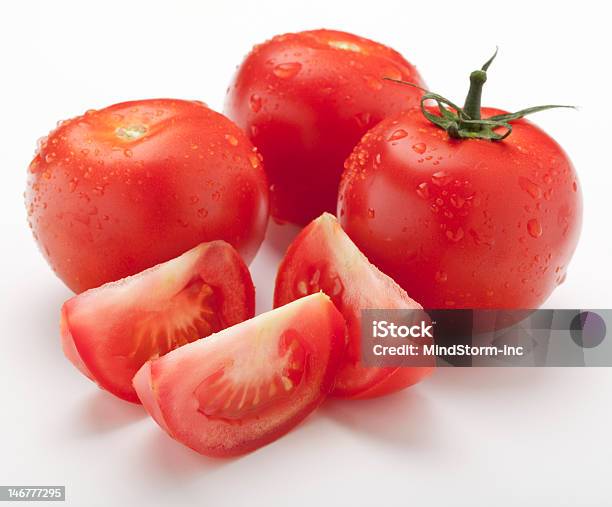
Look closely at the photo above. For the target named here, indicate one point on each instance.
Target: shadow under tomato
(101, 412)
(404, 420)
(170, 460)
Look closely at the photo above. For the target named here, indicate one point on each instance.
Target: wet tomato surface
(118, 190)
(305, 99)
(466, 223)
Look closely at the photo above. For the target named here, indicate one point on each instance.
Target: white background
(464, 437)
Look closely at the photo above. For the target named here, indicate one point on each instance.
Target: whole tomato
(121, 189)
(305, 99)
(463, 207)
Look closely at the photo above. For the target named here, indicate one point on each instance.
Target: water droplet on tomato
(128, 153)
(534, 228)
(530, 187)
(255, 103)
(254, 160)
(574, 186)
(398, 134)
(373, 82)
(231, 139)
(455, 236)
(419, 148)
(440, 178)
(287, 70)
(423, 190)
(363, 119)
(371, 213)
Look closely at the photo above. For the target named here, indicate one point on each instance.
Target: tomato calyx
(466, 122)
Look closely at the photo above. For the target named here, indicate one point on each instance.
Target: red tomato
(323, 257)
(110, 332)
(465, 223)
(247, 385)
(305, 99)
(116, 191)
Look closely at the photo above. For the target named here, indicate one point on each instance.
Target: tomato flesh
(249, 384)
(305, 99)
(115, 191)
(463, 223)
(323, 258)
(111, 331)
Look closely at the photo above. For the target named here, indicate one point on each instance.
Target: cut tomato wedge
(323, 257)
(109, 332)
(249, 384)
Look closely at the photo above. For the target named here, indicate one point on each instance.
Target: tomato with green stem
(465, 207)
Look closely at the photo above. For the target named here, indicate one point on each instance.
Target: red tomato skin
(322, 247)
(104, 206)
(156, 381)
(95, 352)
(305, 103)
(463, 223)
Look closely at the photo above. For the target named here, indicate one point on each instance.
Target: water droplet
(363, 119)
(202, 212)
(530, 187)
(371, 212)
(534, 227)
(455, 236)
(419, 148)
(575, 186)
(254, 160)
(194, 199)
(216, 195)
(287, 70)
(373, 82)
(547, 178)
(423, 190)
(302, 288)
(457, 201)
(128, 153)
(231, 139)
(398, 134)
(255, 103)
(440, 178)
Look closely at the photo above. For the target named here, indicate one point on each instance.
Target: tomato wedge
(249, 384)
(323, 257)
(109, 332)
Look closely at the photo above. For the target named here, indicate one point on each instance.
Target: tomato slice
(323, 257)
(249, 384)
(109, 332)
